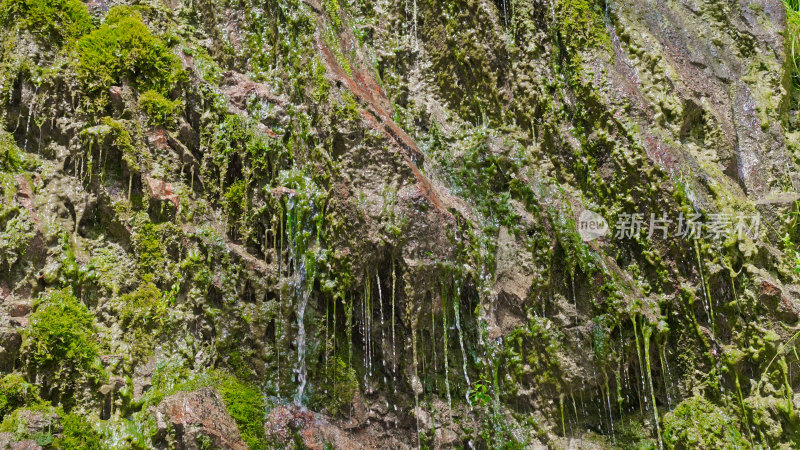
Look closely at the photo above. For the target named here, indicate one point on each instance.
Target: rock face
(371, 211)
(193, 416)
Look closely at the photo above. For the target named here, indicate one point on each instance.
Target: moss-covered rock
(698, 423)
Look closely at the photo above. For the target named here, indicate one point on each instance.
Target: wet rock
(446, 438)
(186, 416)
(162, 190)
(28, 444)
(10, 341)
(423, 417)
(316, 431)
(40, 421)
(5, 439)
(19, 308)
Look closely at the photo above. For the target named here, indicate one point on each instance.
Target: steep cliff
(362, 224)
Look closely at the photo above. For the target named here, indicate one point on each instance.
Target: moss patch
(697, 423)
(60, 345)
(123, 47)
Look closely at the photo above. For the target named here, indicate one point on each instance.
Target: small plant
(793, 37)
(791, 250)
(16, 233)
(10, 154)
(144, 308)
(480, 392)
(698, 423)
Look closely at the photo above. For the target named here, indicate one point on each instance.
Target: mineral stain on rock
(357, 224)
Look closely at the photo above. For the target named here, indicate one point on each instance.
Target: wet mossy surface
(372, 211)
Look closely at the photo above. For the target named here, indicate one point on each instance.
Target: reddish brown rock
(186, 416)
(161, 190)
(19, 309)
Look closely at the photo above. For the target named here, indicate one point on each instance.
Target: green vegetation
(243, 401)
(581, 25)
(337, 383)
(698, 424)
(149, 251)
(17, 423)
(144, 308)
(15, 392)
(793, 37)
(76, 433)
(16, 234)
(60, 345)
(10, 154)
(51, 21)
(142, 313)
(123, 47)
(162, 111)
(246, 405)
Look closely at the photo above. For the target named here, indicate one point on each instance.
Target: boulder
(188, 416)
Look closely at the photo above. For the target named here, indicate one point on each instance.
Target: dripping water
(457, 313)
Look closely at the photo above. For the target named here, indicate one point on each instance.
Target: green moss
(531, 356)
(78, 434)
(333, 10)
(698, 424)
(75, 431)
(161, 110)
(60, 344)
(143, 307)
(17, 424)
(52, 21)
(123, 141)
(243, 401)
(581, 24)
(123, 47)
(246, 405)
(149, 250)
(112, 267)
(335, 387)
(10, 155)
(15, 392)
(235, 199)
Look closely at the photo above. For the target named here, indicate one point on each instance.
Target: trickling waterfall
(446, 361)
(457, 313)
(383, 334)
(30, 114)
(301, 348)
(394, 345)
